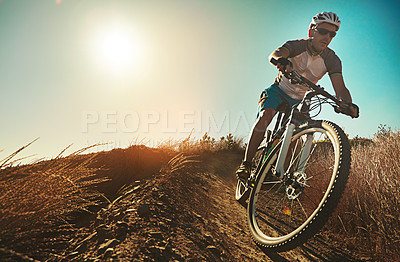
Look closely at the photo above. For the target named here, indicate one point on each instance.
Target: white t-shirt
(312, 67)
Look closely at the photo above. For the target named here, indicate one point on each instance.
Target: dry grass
(39, 202)
(367, 217)
(36, 201)
(205, 144)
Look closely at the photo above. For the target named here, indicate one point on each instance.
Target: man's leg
(258, 131)
(256, 137)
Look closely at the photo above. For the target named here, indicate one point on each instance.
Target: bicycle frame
(298, 115)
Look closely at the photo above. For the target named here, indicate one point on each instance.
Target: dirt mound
(125, 166)
(165, 206)
(187, 212)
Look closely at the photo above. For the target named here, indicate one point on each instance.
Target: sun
(118, 49)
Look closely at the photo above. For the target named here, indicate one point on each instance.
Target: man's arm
(340, 88)
(280, 52)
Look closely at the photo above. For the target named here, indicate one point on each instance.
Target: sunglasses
(324, 31)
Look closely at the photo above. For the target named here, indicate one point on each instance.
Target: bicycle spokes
(285, 204)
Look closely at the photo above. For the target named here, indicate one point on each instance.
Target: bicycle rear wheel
(242, 188)
(283, 214)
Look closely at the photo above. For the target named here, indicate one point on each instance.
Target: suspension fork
(305, 152)
(279, 169)
(294, 120)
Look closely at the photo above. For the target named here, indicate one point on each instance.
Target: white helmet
(325, 17)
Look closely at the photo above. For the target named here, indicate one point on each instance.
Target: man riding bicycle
(312, 59)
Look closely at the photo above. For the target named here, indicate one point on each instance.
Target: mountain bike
(299, 173)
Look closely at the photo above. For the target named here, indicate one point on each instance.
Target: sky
(130, 72)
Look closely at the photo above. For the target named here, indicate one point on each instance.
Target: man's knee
(267, 114)
(265, 117)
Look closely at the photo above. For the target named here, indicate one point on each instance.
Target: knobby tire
(277, 225)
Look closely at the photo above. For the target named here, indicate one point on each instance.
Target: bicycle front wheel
(284, 213)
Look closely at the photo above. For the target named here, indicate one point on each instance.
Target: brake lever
(337, 110)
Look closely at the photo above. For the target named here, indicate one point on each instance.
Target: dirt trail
(187, 212)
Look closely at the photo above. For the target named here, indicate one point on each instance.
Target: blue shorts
(273, 96)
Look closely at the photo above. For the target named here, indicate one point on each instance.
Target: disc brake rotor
(294, 189)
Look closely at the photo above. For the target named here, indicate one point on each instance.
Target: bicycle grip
(346, 111)
(283, 61)
(273, 61)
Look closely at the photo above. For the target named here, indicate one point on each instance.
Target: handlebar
(295, 77)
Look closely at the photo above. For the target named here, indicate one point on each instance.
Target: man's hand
(348, 108)
(354, 110)
(284, 65)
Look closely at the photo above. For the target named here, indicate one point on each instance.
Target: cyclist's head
(325, 17)
(323, 28)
